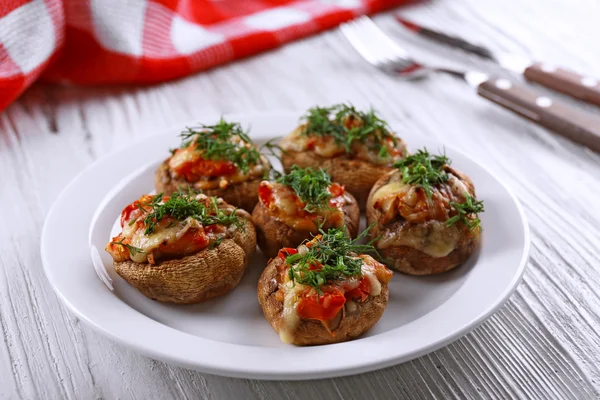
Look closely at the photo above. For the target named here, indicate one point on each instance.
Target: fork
(382, 52)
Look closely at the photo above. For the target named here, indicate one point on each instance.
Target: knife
(560, 79)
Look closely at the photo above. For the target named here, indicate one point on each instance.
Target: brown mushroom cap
(197, 277)
(313, 332)
(408, 259)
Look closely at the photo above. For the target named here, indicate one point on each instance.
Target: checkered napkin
(142, 41)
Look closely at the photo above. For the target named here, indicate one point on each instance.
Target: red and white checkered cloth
(142, 41)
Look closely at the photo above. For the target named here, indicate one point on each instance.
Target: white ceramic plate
(229, 335)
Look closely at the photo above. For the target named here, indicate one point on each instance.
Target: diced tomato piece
(199, 239)
(323, 307)
(311, 143)
(210, 228)
(194, 170)
(336, 190)
(126, 213)
(134, 209)
(286, 251)
(265, 193)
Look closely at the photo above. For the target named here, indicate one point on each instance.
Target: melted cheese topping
(368, 272)
(375, 284)
(351, 306)
(392, 189)
(290, 316)
(182, 156)
(434, 238)
(285, 200)
(457, 186)
(323, 146)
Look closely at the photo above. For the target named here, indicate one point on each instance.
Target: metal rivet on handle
(543, 101)
(548, 68)
(589, 81)
(503, 84)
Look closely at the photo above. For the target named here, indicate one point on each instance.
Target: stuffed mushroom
(355, 147)
(424, 215)
(324, 291)
(293, 207)
(183, 248)
(218, 160)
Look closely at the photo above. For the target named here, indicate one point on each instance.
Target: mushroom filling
(342, 130)
(305, 199)
(426, 205)
(215, 156)
(164, 227)
(324, 279)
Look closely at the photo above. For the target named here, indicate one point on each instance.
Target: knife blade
(582, 87)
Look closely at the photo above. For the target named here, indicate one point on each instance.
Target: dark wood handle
(574, 124)
(582, 87)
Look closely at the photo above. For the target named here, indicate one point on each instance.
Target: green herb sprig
(335, 252)
(132, 249)
(181, 206)
(423, 170)
(217, 142)
(467, 212)
(311, 186)
(331, 121)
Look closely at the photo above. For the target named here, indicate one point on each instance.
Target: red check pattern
(143, 41)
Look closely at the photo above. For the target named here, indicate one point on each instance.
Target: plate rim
(236, 372)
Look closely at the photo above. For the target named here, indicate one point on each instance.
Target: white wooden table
(545, 343)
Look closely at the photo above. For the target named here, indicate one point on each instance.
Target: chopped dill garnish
(346, 125)
(132, 249)
(311, 186)
(332, 258)
(467, 213)
(181, 206)
(224, 141)
(423, 170)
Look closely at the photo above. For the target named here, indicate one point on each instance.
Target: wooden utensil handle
(582, 87)
(576, 125)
